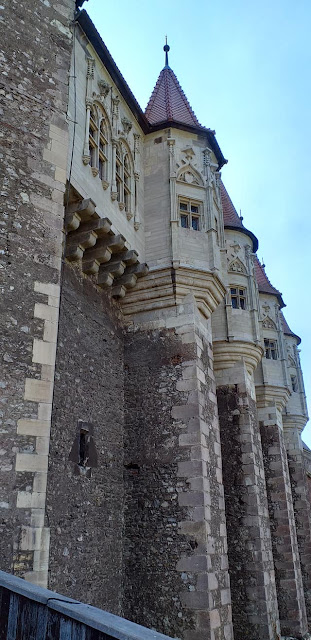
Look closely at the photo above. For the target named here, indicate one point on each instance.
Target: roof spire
(166, 48)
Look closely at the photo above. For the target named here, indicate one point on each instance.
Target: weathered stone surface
(86, 511)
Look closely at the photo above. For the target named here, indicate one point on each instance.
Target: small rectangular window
(294, 383)
(271, 351)
(191, 219)
(184, 221)
(195, 223)
(238, 298)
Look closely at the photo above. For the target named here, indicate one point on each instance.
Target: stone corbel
(104, 88)
(90, 68)
(136, 143)
(127, 125)
(115, 110)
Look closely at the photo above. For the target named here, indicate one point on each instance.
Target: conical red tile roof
(287, 330)
(264, 284)
(231, 218)
(168, 102)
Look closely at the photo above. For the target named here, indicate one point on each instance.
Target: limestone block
(45, 312)
(33, 427)
(47, 288)
(44, 352)
(31, 462)
(38, 390)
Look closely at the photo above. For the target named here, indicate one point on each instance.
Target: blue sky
(245, 68)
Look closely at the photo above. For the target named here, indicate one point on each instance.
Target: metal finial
(241, 217)
(262, 263)
(166, 48)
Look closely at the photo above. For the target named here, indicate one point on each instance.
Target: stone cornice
(167, 287)
(268, 394)
(291, 421)
(227, 354)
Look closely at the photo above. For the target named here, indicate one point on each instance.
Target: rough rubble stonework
(152, 398)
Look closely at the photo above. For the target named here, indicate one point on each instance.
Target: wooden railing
(28, 612)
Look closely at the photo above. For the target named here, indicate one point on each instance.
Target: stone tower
(152, 393)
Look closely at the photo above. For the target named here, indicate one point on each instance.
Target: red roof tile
(168, 102)
(287, 330)
(264, 284)
(231, 218)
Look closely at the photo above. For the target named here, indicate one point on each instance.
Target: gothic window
(119, 174)
(103, 150)
(98, 144)
(127, 183)
(123, 178)
(93, 137)
(238, 297)
(271, 349)
(190, 214)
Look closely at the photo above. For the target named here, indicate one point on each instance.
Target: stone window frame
(271, 349)
(190, 213)
(99, 137)
(124, 172)
(238, 297)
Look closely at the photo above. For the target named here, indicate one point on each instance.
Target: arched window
(98, 144)
(124, 180)
(103, 150)
(127, 183)
(93, 137)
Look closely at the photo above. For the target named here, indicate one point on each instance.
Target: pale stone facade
(152, 456)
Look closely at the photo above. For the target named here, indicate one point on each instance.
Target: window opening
(238, 297)
(294, 383)
(189, 214)
(103, 151)
(270, 349)
(93, 131)
(83, 448)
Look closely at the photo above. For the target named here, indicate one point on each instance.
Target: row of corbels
(103, 253)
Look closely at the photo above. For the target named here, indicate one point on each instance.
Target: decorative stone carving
(103, 88)
(115, 106)
(237, 266)
(86, 159)
(105, 184)
(267, 323)
(291, 361)
(189, 153)
(127, 125)
(189, 177)
(235, 247)
(136, 142)
(90, 67)
(95, 171)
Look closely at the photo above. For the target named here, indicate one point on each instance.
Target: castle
(152, 399)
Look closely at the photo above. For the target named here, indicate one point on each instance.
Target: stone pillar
(176, 570)
(292, 432)
(292, 609)
(34, 163)
(253, 592)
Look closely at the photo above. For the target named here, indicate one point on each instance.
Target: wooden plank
(4, 612)
(13, 617)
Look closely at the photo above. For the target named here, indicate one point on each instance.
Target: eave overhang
(246, 233)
